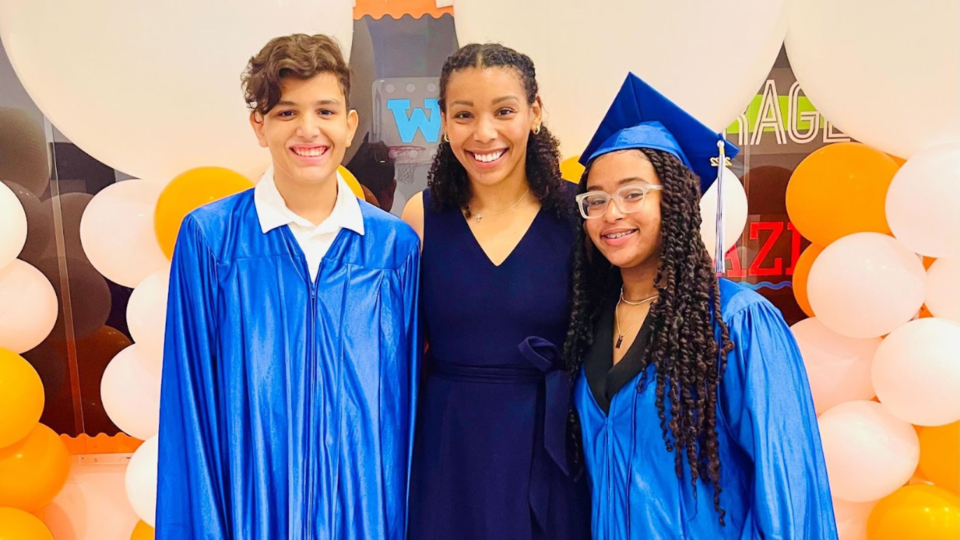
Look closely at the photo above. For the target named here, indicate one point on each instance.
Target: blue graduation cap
(641, 117)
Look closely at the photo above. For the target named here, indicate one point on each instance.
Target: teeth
(310, 152)
(614, 236)
(487, 158)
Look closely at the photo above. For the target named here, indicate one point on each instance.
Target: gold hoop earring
(445, 138)
(536, 130)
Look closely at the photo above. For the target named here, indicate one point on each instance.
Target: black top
(604, 378)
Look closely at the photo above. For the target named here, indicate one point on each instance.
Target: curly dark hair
(447, 180)
(297, 55)
(688, 360)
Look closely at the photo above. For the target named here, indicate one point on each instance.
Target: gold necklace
(478, 217)
(616, 315)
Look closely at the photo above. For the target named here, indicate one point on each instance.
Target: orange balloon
(142, 532)
(16, 524)
(21, 397)
(190, 191)
(33, 470)
(838, 190)
(351, 181)
(940, 455)
(800, 274)
(918, 511)
(571, 170)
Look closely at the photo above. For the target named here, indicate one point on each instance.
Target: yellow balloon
(351, 181)
(190, 191)
(33, 470)
(16, 524)
(940, 455)
(571, 170)
(142, 532)
(21, 397)
(919, 511)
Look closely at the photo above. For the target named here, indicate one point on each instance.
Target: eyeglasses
(629, 199)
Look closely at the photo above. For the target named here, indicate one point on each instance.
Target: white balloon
(147, 315)
(865, 285)
(916, 372)
(28, 307)
(883, 71)
(734, 213)
(118, 233)
(155, 90)
(943, 289)
(838, 367)
(852, 519)
(922, 202)
(675, 46)
(13, 226)
(130, 391)
(141, 481)
(868, 451)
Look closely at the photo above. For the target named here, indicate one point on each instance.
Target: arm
(766, 402)
(413, 215)
(398, 404)
(190, 490)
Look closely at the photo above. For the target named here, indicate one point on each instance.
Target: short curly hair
(297, 55)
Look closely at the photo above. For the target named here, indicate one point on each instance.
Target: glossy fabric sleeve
(190, 495)
(398, 405)
(766, 402)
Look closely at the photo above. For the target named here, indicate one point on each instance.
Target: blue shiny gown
(287, 404)
(773, 476)
(490, 455)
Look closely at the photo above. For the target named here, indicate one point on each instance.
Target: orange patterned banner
(398, 8)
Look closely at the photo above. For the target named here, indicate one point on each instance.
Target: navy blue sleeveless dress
(490, 452)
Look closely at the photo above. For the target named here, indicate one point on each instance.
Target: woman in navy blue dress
(497, 225)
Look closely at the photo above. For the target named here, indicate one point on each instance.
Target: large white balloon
(734, 213)
(118, 233)
(916, 372)
(155, 90)
(943, 289)
(838, 367)
(865, 285)
(28, 307)
(130, 391)
(922, 202)
(147, 315)
(13, 226)
(868, 451)
(141, 480)
(884, 71)
(709, 57)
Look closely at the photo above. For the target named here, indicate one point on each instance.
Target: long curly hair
(683, 348)
(447, 180)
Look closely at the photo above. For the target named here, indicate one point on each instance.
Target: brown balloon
(68, 208)
(89, 295)
(23, 151)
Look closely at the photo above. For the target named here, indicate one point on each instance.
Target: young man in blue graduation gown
(292, 343)
(693, 401)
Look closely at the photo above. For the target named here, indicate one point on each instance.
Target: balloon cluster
(34, 462)
(881, 280)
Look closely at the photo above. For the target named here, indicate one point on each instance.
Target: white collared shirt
(314, 240)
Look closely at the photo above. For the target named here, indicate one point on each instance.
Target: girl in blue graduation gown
(694, 407)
